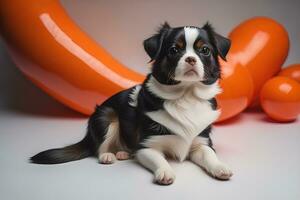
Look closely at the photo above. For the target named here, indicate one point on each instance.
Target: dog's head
(186, 54)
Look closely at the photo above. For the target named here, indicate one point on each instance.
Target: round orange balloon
(237, 87)
(280, 99)
(292, 71)
(261, 45)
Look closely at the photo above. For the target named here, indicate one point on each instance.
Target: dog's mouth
(191, 72)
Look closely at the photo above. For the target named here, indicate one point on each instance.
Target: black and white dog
(168, 116)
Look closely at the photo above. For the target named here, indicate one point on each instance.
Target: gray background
(264, 155)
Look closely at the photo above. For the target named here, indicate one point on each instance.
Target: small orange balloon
(292, 71)
(261, 45)
(280, 99)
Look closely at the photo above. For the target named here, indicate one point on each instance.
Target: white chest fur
(189, 113)
(185, 117)
(186, 113)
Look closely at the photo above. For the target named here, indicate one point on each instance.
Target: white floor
(263, 155)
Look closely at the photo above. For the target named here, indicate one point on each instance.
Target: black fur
(134, 125)
(73, 152)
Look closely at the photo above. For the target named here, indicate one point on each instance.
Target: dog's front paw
(164, 176)
(107, 158)
(220, 171)
(122, 155)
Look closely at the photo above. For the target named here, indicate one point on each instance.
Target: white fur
(186, 113)
(173, 92)
(189, 113)
(191, 35)
(165, 91)
(205, 157)
(155, 161)
(206, 91)
(107, 158)
(171, 145)
(133, 97)
(122, 155)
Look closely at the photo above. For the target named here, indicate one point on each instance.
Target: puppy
(168, 116)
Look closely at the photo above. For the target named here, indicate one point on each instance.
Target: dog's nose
(191, 60)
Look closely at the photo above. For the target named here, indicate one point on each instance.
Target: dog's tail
(69, 153)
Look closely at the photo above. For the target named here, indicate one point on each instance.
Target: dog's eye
(173, 50)
(205, 51)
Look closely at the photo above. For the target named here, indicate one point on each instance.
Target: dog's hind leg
(112, 147)
(110, 144)
(104, 128)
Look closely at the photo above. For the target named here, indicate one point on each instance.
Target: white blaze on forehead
(191, 35)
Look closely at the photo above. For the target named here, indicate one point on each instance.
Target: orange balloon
(280, 99)
(52, 51)
(292, 71)
(261, 45)
(237, 87)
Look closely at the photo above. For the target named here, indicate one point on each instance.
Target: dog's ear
(153, 44)
(222, 44)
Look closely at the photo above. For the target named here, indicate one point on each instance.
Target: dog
(169, 115)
